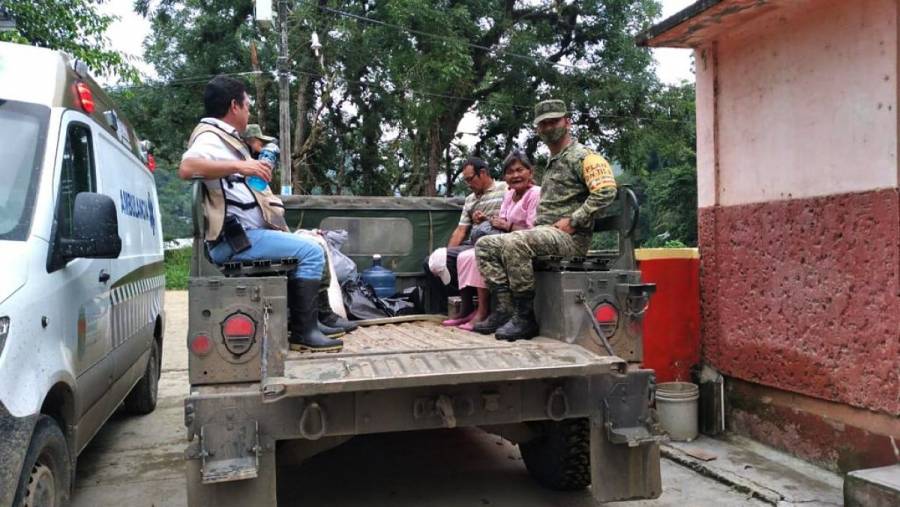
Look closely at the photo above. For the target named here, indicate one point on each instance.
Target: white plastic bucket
(676, 406)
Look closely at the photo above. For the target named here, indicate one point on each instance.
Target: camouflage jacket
(577, 183)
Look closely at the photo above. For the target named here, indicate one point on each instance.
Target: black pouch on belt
(234, 235)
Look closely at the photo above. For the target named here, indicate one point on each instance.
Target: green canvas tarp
(403, 230)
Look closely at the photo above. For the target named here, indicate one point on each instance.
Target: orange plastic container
(672, 322)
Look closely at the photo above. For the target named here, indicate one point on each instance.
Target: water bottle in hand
(268, 155)
(257, 183)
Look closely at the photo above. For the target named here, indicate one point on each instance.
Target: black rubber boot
(501, 311)
(522, 325)
(331, 332)
(329, 318)
(304, 312)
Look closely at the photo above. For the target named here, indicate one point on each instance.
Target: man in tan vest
(244, 224)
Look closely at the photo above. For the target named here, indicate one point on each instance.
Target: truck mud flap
(228, 448)
(625, 439)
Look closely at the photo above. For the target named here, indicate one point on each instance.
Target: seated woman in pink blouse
(517, 212)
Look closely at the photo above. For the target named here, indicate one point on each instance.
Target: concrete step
(758, 471)
(873, 487)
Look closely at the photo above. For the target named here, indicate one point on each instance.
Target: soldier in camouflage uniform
(577, 183)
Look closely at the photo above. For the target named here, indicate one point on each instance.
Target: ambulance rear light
(85, 97)
(146, 147)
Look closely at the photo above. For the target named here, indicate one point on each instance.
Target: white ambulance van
(81, 271)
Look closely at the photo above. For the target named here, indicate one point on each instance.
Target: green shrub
(178, 263)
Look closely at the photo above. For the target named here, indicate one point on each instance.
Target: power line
(418, 92)
(444, 37)
(205, 78)
(487, 101)
(201, 79)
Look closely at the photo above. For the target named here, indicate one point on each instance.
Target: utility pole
(284, 106)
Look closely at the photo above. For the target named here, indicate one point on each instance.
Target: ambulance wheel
(142, 399)
(46, 473)
(560, 458)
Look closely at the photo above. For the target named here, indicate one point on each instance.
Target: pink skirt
(467, 270)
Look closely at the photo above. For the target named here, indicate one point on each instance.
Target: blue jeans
(275, 245)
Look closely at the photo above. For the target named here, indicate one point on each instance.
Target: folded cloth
(335, 298)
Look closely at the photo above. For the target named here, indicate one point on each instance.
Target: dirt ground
(138, 461)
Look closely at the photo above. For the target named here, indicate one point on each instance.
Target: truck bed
(421, 353)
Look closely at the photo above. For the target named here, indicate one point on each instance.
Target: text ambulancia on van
(81, 294)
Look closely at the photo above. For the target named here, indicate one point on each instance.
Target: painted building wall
(799, 216)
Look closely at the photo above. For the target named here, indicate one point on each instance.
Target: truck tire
(142, 398)
(46, 472)
(560, 458)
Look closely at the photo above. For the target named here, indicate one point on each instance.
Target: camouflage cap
(253, 130)
(549, 109)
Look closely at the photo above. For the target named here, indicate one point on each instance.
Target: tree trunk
(301, 168)
(261, 86)
(448, 172)
(435, 148)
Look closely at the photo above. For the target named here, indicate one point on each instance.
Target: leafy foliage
(177, 263)
(73, 26)
(664, 152)
(377, 111)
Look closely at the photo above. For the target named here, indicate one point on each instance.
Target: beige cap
(437, 264)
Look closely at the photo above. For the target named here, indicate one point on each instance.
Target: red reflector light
(151, 162)
(201, 345)
(606, 314)
(238, 325)
(85, 97)
(239, 331)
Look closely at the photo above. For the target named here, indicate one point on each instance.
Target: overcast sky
(127, 35)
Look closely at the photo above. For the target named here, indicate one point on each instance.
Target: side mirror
(95, 231)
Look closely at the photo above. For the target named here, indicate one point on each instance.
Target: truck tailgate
(422, 353)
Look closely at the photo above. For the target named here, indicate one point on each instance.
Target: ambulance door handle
(104, 276)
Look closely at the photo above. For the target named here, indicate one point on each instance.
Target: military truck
(575, 399)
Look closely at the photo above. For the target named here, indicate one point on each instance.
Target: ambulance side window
(77, 174)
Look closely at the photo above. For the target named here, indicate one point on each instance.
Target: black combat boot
(304, 312)
(522, 325)
(501, 310)
(329, 318)
(331, 332)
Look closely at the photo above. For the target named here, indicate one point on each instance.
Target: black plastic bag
(362, 303)
(406, 303)
(360, 300)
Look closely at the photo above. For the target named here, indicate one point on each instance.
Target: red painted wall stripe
(804, 295)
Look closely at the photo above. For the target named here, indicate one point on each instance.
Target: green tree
(73, 26)
(411, 69)
(377, 110)
(663, 154)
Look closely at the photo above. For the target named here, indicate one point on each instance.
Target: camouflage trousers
(505, 259)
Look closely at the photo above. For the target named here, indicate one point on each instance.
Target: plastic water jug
(380, 278)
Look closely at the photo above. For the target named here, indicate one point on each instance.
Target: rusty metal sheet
(707, 20)
(425, 353)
